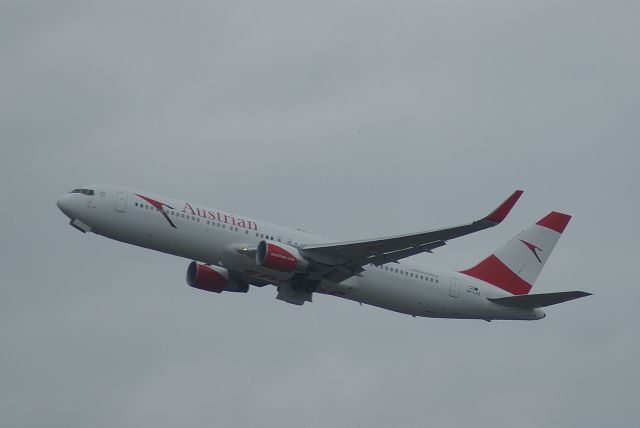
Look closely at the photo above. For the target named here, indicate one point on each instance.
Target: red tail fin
(515, 266)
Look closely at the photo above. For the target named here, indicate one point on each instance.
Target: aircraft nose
(64, 204)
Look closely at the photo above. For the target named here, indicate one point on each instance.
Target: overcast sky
(351, 119)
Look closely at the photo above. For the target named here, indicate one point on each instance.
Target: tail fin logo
(160, 207)
(533, 249)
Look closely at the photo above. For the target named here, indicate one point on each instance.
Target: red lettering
(188, 206)
(217, 216)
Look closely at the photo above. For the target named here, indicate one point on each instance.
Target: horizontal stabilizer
(530, 301)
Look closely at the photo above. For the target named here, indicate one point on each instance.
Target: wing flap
(531, 301)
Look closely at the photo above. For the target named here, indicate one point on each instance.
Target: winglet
(501, 212)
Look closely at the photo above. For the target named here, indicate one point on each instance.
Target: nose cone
(65, 204)
(540, 314)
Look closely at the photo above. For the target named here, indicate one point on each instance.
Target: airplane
(231, 253)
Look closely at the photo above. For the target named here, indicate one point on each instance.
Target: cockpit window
(87, 192)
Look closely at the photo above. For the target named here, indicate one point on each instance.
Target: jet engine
(280, 257)
(214, 278)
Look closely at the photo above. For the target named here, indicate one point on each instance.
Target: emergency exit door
(454, 287)
(121, 202)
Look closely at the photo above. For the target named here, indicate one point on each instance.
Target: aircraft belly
(406, 296)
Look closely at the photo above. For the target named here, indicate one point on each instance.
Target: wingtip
(503, 210)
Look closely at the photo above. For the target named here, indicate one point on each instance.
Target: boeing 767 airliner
(233, 252)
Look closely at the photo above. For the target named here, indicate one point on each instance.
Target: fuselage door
(454, 287)
(121, 202)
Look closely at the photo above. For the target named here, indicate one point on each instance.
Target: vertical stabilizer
(515, 266)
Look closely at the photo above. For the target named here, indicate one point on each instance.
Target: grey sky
(351, 119)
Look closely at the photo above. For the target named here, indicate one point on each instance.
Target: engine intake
(213, 278)
(280, 257)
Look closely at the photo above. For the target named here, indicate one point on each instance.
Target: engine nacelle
(280, 257)
(213, 278)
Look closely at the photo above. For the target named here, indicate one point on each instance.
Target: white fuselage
(215, 237)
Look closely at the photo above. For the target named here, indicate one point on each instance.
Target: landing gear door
(454, 287)
(121, 202)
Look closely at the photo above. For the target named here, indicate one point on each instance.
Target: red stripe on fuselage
(495, 272)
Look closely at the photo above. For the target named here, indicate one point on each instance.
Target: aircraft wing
(342, 260)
